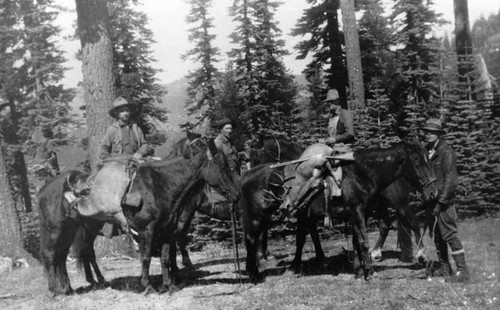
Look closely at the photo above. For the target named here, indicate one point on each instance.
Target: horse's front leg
(383, 229)
(145, 239)
(313, 230)
(167, 254)
(251, 244)
(182, 230)
(361, 244)
(300, 240)
(412, 223)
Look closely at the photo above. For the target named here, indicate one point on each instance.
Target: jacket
(444, 164)
(224, 145)
(345, 128)
(111, 144)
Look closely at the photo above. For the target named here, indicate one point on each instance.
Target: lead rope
(235, 245)
(434, 238)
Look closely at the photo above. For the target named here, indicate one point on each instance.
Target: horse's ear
(212, 149)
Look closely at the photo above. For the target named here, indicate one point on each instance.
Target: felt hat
(223, 122)
(331, 95)
(118, 103)
(433, 125)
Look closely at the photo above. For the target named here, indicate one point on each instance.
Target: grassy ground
(214, 285)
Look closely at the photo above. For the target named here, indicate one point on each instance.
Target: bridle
(414, 160)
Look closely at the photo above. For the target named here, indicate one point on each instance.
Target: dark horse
(364, 179)
(166, 188)
(397, 197)
(60, 224)
(272, 150)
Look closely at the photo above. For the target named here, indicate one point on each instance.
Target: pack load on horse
(365, 175)
(74, 205)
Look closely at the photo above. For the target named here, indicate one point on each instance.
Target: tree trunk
(463, 45)
(353, 56)
(97, 68)
(11, 240)
(337, 74)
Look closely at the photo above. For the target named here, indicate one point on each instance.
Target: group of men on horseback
(124, 137)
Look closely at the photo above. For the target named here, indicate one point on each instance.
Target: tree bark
(11, 238)
(337, 68)
(463, 43)
(353, 56)
(97, 69)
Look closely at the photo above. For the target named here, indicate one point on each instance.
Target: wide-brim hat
(118, 103)
(331, 95)
(434, 125)
(223, 122)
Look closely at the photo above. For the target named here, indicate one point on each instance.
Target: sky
(167, 21)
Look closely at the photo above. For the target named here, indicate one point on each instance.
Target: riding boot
(442, 267)
(462, 274)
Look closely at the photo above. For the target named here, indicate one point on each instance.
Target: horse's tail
(79, 246)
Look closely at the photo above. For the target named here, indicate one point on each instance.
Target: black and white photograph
(249, 154)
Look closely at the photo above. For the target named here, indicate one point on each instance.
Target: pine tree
(266, 88)
(321, 23)
(203, 80)
(135, 76)
(32, 67)
(417, 55)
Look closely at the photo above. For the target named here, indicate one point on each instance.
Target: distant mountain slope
(174, 101)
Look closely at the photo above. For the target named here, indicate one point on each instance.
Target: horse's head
(421, 167)
(280, 150)
(218, 174)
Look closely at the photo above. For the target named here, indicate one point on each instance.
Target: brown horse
(59, 224)
(272, 150)
(364, 179)
(166, 188)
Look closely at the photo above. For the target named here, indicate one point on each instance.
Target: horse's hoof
(369, 275)
(149, 290)
(188, 265)
(289, 272)
(68, 291)
(359, 274)
(168, 289)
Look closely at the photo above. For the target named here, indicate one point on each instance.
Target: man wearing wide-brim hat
(444, 163)
(123, 137)
(223, 142)
(340, 121)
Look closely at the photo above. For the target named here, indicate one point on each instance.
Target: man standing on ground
(444, 163)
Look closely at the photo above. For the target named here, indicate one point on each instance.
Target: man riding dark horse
(319, 168)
